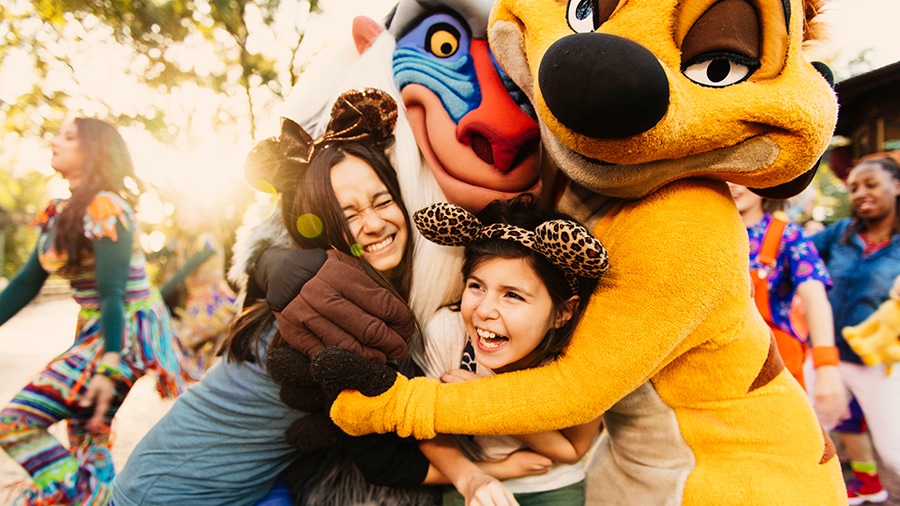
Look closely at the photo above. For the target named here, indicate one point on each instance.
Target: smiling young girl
(526, 274)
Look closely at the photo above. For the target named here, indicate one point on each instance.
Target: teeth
(488, 339)
(378, 246)
(487, 334)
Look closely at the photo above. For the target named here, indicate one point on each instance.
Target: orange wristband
(824, 355)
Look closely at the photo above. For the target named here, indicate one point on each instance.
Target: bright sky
(857, 25)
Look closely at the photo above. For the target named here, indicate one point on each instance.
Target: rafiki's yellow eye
(442, 40)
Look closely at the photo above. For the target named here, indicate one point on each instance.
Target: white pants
(878, 394)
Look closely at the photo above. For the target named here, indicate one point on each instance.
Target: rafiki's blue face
(471, 122)
(436, 55)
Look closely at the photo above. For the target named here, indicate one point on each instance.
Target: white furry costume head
(309, 105)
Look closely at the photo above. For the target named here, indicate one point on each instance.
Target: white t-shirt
(445, 341)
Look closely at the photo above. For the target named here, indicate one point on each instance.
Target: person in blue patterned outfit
(123, 329)
(862, 254)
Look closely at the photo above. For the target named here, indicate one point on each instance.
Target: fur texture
(648, 106)
(436, 280)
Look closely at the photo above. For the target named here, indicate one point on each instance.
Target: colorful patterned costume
(781, 259)
(84, 471)
(210, 303)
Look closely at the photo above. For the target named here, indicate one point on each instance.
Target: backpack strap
(792, 349)
(768, 250)
(767, 256)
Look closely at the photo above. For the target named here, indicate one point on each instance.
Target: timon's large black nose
(603, 86)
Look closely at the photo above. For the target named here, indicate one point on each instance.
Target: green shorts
(571, 495)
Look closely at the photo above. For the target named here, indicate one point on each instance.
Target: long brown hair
(313, 194)
(106, 167)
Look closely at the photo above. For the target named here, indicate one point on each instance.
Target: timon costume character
(649, 106)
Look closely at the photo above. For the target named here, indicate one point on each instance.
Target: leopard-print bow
(568, 245)
(275, 164)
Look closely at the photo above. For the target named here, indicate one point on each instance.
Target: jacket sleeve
(824, 239)
(23, 288)
(113, 259)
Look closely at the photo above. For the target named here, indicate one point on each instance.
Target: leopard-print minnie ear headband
(566, 244)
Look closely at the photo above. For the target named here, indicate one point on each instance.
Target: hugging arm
(325, 299)
(612, 352)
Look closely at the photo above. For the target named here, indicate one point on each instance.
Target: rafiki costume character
(464, 134)
(649, 106)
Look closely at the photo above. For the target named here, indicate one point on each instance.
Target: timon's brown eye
(723, 46)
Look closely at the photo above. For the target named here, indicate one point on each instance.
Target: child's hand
(527, 463)
(830, 397)
(458, 376)
(516, 465)
(483, 490)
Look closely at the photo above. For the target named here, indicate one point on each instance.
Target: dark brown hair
(523, 212)
(106, 167)
(773, 205)
(314, 195)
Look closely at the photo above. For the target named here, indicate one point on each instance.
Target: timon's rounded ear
(826, 72)
(795, 186)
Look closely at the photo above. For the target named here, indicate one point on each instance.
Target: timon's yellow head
(634, 94)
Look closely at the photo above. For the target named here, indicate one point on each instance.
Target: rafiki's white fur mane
(436, 269)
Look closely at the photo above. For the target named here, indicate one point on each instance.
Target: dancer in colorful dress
(123, 329)
(210, 304)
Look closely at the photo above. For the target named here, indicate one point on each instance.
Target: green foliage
(20, 200)
(158, 33)
(162, 55)
(831, 195)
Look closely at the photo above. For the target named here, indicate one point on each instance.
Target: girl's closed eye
(380, 203)
(514, 296)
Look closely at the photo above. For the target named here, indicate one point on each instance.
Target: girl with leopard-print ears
(527, 272)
